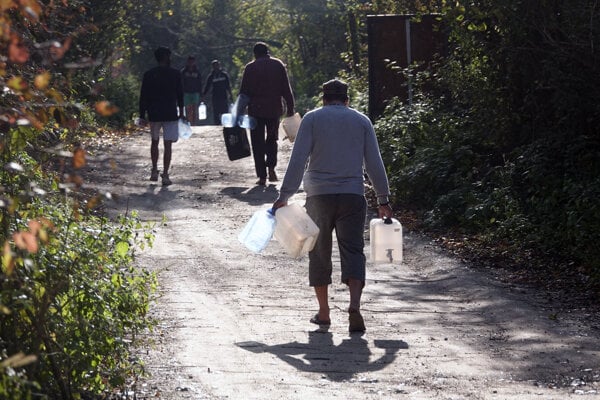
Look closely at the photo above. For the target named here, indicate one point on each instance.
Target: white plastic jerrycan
(295, 230)
(290, 126)
(258, 231)
(386, 240)
(202, 111)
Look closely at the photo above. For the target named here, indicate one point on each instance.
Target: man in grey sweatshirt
(333, 145)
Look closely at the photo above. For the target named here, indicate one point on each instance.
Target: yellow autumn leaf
(47, 223)
(26, 241)
(31, 9)
(17, 83)
(18, 53)
(105, 108)
(34, 226)
(56, 95)
(79, 158)
(93, 202)
(42, 80)
(7, 259)
(43, 235)
(7, 5)
(77, 180)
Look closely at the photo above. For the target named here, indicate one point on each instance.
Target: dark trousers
(346, 214)
(264, 146)
(220, 107)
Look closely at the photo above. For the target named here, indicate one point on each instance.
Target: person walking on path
(218, 82)
(333, 145)
(192, 87)
(161, 97)
(265, 82)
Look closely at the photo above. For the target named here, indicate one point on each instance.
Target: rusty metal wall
(388, 43)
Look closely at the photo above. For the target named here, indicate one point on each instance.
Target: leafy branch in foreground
(70, 299)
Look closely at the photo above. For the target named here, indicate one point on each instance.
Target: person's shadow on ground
(257, 195)
(338, 363)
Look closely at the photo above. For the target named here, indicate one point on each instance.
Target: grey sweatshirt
(333, 144)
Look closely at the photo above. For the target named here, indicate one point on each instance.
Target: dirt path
(234, 325)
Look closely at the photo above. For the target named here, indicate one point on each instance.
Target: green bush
(69, 295)
(122, 91)
(502, 145)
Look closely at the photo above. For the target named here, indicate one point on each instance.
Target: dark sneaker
(154, 175)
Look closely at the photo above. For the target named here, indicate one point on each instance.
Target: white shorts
(169, 128)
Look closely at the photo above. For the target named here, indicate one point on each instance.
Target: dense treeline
(500, 144)
(504, 143)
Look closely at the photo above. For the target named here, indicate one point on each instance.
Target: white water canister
(290, 126)
(202, 111)
(295, 230)
(227, 120)
(386, 240)
(258, 231)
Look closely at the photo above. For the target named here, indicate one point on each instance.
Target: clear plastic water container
(239, 107)
(386, 240)
(290, 126)
(184, 128)
(202, 111)
(258, 232)
(246, 121)
(295, 230)
(227, 120)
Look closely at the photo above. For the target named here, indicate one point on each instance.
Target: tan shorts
(169, 129)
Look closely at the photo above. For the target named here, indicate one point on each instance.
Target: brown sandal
(316, 320)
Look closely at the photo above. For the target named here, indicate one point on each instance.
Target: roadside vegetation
(497, 154)
(500, 148)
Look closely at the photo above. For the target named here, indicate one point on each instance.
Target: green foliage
(68, 293)
(123, 92)
(71, 304)
(502, 140)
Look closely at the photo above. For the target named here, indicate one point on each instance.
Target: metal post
(408, 60)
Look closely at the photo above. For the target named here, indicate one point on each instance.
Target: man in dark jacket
(161, 97)
(218, 82)
(265, 82)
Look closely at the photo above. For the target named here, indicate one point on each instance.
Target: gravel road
(234, 325)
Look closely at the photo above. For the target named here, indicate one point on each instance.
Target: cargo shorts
(170, 130)
(346, 214)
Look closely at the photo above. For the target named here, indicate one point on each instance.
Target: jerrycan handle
(387, 221)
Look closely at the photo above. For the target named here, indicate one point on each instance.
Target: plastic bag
(185, 129)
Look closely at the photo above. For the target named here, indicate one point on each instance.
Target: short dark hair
(162, 53)
(335, 97)
(335, 90)
(261, 49)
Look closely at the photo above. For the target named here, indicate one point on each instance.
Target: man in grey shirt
(333, 144)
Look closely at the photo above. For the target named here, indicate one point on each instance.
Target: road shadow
(338, 362)
(254, 196)
(518, 325)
